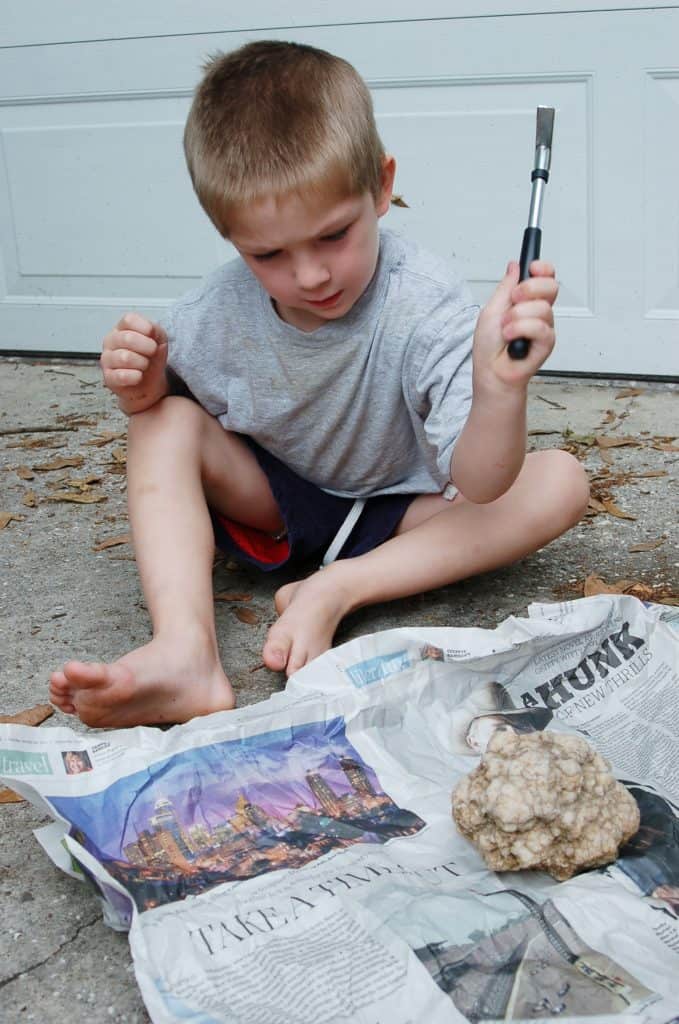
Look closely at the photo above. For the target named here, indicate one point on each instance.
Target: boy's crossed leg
(437, 543)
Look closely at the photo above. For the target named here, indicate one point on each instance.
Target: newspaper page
(296, 861)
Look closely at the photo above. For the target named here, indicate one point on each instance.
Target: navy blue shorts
(312, 519)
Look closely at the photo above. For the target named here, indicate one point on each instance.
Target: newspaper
(296, 862)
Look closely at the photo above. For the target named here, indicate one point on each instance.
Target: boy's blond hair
(275, 117)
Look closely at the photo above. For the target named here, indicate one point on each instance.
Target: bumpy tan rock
(547, 801)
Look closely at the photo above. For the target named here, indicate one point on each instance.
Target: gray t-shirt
(372, 403)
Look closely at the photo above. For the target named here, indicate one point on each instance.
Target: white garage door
(97, 214)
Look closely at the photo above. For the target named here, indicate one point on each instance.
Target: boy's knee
(565, 482)
(173, 411)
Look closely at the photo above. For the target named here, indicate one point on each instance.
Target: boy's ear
(386, 185)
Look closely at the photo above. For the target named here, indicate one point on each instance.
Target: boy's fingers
(116, 379)
(136, 322)
(535, 288)
(541, 268)
(159, 334)
(532, 328)
(130, 340)
(123, 359)
(538, 309)
(502, 296)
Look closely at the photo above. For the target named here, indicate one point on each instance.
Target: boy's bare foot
(310, 612)
(162, 682)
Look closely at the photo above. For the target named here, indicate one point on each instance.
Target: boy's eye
(336, 236)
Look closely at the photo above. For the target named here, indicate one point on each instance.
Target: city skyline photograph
(205, 782)
(235, 809)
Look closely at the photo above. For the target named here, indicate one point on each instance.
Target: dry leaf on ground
(232, 595)
(39, 442)
(29, 499)
(550, 401)
(630, 392)
(90, 498)
(9, 517)
(60, 463)
(11, 431)
(105, 438)
(82, 483)
(594, 506)
(30, 716)
(602, 482)
(608, 441)
(119, 456)
(595, 584)
(25, 473)
(613, 510)
(75, 419)
(247, 615)
(605, 479)
(666, 447)
(8, 796)
(113, 542)
(648, 545)
(601, 501)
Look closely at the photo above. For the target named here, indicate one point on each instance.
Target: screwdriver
(532, 236)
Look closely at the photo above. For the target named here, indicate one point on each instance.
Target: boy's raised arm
(491, 448)
(134, 362)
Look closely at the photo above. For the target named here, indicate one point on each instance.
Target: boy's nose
(311, 274)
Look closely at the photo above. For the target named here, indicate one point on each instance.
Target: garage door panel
(661, 197)
(117, 214)
(465, 153)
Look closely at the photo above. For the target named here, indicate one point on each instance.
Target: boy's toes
(298, 659)
(276, 651)
(80, 682)
(59, 686)
(83, 674)
(274, 658)
(60, 693)
(60, 696)
(284, 596)
(63, 704)
(66, 707)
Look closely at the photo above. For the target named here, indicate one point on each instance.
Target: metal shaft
(535, 212)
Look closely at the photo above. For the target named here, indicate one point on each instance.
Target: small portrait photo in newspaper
(76, 761)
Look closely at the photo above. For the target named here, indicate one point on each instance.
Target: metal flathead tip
(544, 127)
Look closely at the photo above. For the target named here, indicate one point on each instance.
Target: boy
(338, 408)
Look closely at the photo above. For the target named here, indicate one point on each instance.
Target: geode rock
(547, 801)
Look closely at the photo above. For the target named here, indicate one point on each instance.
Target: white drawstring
(343, 532)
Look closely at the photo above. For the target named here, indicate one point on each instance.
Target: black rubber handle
(530, 250)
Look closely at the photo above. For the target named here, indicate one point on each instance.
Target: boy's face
(314, 256)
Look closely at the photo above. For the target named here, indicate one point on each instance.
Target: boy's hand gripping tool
(532, 236)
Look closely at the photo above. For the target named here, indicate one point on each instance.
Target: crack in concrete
(55, 952)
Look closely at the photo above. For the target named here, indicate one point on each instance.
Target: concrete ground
(65, 594)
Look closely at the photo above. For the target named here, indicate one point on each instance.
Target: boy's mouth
(324, 303)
